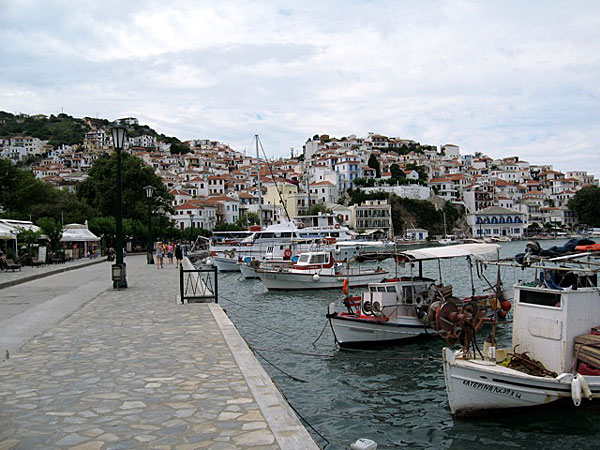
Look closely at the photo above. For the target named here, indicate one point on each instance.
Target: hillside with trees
(64, 129)
(408, 213)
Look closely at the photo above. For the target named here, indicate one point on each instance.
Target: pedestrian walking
(178, 254)
(159, 255)
(3, 262)
(170, 252)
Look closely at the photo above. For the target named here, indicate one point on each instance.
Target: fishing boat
(554, 353)
(318, 270)
(403, 307)
(276, 256)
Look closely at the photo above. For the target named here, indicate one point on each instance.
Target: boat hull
(226, 264)
(275, 280)
(474, 387)
(357, 332)
(248, 272)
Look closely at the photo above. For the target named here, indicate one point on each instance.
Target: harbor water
(394, 396)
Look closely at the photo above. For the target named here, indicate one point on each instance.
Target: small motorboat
(318, 270)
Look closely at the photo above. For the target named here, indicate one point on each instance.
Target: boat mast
(308, 190)
(260, 215)
(444, 216)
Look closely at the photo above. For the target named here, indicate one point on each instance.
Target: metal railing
(198, 285)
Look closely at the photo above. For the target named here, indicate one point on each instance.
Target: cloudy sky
(504, 78)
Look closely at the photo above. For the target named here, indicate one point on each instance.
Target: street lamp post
(149, 192)
(119, 275)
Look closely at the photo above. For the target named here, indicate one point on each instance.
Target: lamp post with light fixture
(149, 192)
(119, 275)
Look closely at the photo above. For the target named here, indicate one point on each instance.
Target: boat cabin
(400, 296)
(550, 312)
(314, 260)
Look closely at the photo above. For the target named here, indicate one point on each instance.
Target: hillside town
(213, 183)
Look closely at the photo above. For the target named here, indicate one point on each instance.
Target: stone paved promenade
(134, 369)
(27, 273)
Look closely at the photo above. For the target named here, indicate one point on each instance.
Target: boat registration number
(493, 389)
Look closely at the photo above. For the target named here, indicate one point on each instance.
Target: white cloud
(498, 77)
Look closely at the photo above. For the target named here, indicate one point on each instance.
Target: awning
(9, 229)
(6, 234)
(478, 251)
(78, 233)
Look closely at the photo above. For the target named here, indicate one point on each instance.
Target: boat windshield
(320, 258)
(267, 235)
(303, 258)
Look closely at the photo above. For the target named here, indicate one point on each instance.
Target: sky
(503, 78)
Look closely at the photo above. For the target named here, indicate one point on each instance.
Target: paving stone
(9, 444)
(130, 369)
(71, 439)
(259, 437)
(93, 445)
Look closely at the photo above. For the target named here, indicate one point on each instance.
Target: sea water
(395, 396)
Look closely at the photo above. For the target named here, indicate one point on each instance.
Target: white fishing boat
(318, 270)
(275, 256)
(401, 308)
(554, 354)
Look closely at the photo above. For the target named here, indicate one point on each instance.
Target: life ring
(287, 253)
(418, 300)
(337, 226)
(345, 286)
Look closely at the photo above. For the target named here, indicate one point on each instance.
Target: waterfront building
(372, 216)
(495, 221)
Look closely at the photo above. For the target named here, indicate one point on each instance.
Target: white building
(495, 221)
(451, 150)
(372, 216)
(144, 140)
(19, 148)
(413, 191)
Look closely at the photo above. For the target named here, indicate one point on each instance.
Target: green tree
(23, 197)
(585, 203)
(248, 219)
(364, 182)
(357, 196)
(29, 237)
(51, 228)
(191, 234)
(374, 164)
(105, 228)
(228, 227)
(317, 208)
(99, 189)
(135, 230)
(421, 170)
(396, 172)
